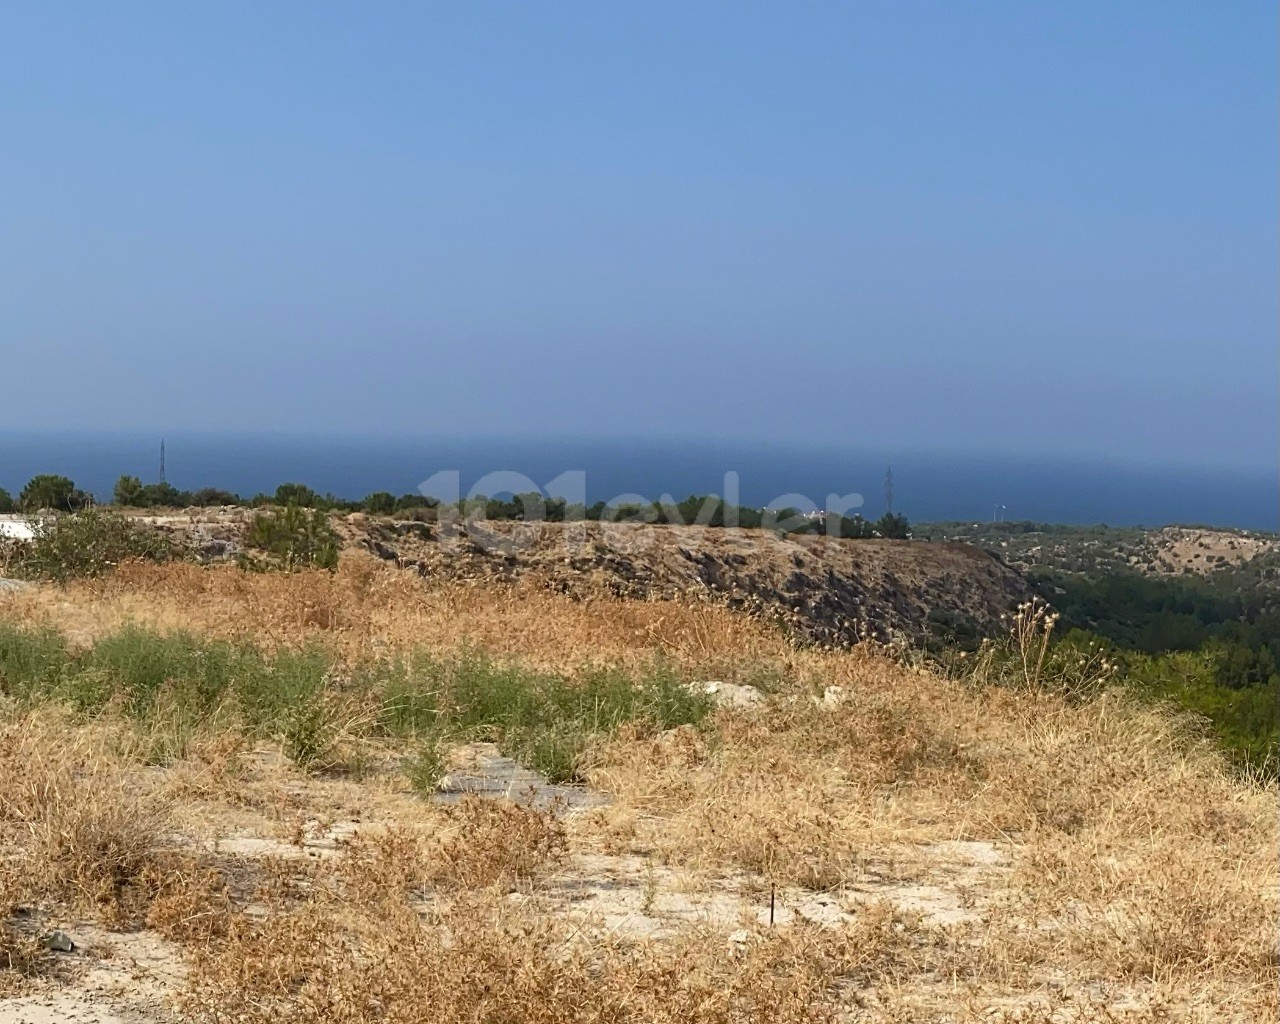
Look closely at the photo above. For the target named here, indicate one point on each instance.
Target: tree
(6, 501)
(380, 503)
(128, 492)
(407, 501)
(133, 493)
(296, 494)
(163, 495)
(894, 526)
(213, 496)
(49, 491)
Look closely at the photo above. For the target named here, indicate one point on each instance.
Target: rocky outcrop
(821, 589)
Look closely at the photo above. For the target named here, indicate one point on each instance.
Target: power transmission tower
(162, 479)
(888, 491)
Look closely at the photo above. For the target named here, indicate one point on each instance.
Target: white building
(12, 528)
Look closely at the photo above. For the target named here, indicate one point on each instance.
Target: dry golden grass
(487, 842)
(1132, 877)
(20, 955)
(366, 609)
(484, 961)
(84, 832)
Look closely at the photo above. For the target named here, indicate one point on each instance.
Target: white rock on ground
(733, 695)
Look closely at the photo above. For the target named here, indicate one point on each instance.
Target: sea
(926, 487)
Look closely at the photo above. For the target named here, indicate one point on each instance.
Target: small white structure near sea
(16, 528)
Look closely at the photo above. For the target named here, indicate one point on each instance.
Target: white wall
(16, 529)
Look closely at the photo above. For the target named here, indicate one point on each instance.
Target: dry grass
(494, 843)
(85, 832)
(1133, 877)
(20, 955)
(366, 610)
(483, 961)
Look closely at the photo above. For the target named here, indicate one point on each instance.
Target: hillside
(830, 591)
(364, 796)
(1161, 552)
(819, 589)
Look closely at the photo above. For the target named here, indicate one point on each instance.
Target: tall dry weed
(486, 960)
(482, 843)
(367, 609)
(86, 834)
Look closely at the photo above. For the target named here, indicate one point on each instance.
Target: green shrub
(297, 494)
(32, 661)
(293, 538)
(270, 690)
(554, 751)
(1245, 720)
(307, 732)
(426, 768)
(128, 492)
(381, 503)
(132, 492)
(410, 689)
(87, 544)
(173, 684)
(142, 664)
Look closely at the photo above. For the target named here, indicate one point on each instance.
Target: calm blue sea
(926, 487)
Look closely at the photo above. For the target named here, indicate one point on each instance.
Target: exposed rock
(483, 771)
(730, 694)
(58, 941)
(822, 589)
(819, 589)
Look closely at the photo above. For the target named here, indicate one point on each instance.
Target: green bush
(32, 661)
(130, 492)
(293, 538)
(172, 684)
(554, 751)
(142, 664)
(544, 720)
(426, 768)
(381, 503)
(270, 691)
(296, 494)
(410, 689)
(88, 544)
(1244, 719)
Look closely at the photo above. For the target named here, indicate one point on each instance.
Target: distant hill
(1160, 552)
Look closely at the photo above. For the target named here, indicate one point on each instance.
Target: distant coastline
(926, 487)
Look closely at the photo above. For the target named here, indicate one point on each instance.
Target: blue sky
(1042, 228)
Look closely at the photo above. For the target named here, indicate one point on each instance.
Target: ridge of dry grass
(367, 610)
(1132, 877)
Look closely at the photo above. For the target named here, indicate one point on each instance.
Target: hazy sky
(1033, 227)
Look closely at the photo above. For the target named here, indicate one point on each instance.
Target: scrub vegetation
(255, 778)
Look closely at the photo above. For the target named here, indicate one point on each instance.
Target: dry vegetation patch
(366, 609)
(936, 848)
